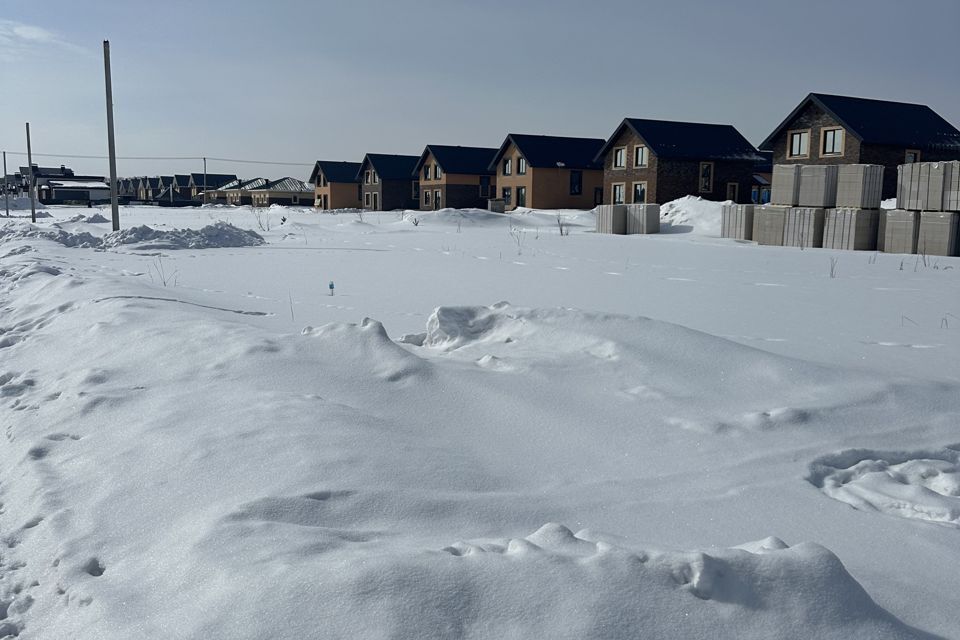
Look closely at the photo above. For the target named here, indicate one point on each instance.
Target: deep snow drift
(236, 454)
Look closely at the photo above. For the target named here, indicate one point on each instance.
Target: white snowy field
(491, 430)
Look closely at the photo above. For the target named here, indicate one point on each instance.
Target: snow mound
(96, 219)
(691, 214)
(220, 234)
(889, 203)
(921, 485)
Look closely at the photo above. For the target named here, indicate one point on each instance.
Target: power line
(197, 158)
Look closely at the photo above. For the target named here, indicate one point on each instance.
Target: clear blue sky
(298, 80)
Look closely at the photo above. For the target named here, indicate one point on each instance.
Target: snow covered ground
(491, 430)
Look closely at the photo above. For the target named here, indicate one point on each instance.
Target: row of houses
(642, 161)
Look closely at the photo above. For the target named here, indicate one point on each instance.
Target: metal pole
(6, 185)
(114, 201)
(33, 198)
(204, 181)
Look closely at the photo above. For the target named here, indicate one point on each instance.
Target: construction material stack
(855, 221)
(927, 217)
(736, 221)
(642, 218)
(612, 218)
(769, 220)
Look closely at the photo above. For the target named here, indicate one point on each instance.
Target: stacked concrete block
(818, 186)
(859, 186)
(768, 223)
(736, 221)
(643, 218)
(938, 233)
(951, 190)
(785, 187)
(851, 229)
(900, 229)
(926, 186)
(497, 205)
(803, 227)
(612, 218)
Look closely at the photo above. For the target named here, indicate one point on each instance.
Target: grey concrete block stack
(854, 224)
(818, 186)
(803, 227)
(928, 196)
(785, 189)
(768, 224)
(642, 218)
(612, 218)
(859, 186)
(736, 221)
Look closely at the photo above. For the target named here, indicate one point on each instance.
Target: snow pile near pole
(142, 238)
(691, 214)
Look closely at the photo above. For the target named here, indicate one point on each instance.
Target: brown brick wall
(815, 119)
(630, 174)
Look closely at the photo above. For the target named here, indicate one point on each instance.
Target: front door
(436, 198)
(376, 201)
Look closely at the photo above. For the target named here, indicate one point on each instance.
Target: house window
(426, 198)
(765, 195)
(911, 156)
(507, 166)
(639, 156)
(832, 144)
(484, 186)
(618, 193)
(521, 168)
(376, 178)
(366, 199)
(436, 199)
(597, 195)
(706, 177)
(366, 177)
(755, 194)
(416, 190)
(521, 196)
(620, 158)
(576, 182)
(799, 144)
(426, 172)
(437, 172)
(733, 191)
(507, 195)
(639, 193)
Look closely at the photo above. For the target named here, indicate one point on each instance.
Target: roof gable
(389, 167)
(687, 140)
(335, 171)
(552, 151)
(902, 124)
(211, 180)
(459, 160)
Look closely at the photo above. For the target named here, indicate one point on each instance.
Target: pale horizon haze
(296, 81)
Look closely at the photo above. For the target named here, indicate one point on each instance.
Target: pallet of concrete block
(818, 185)
(768, 223)
(899, 230)
(736, 221)
(928, 186)
(803, 227)
(643, 218)
(938, 233)
(497, 205)
(859, 186)
(612, 218)
(851, 229)
(785, 186)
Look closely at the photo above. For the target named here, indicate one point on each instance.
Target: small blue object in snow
(331, 287)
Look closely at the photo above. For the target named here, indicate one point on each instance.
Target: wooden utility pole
(204, 181)
(114, 201)
(33, 197)
(6, 185)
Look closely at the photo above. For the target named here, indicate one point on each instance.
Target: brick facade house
(456, 177)
(387, 182)
(828, 129)
(548, 172)
(336, 185)
(656, 161)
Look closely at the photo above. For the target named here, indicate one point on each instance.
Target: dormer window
(507, 166)
(437, 172)
(620, 158)
(832, 144)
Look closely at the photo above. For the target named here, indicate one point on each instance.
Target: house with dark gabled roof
(548, 172)
(457, 177)
(387, 182)
(200, 182)
(829, 129)
(181, 184)
(149, 187)
(289, 192)
(240, 193)
(336, 185)
(656, 161)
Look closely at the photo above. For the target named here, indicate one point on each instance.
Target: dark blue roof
(687, 140)
(335, 171)
(901, 124)
(553, 151)
(390, 167)
(214, 180)
(459, 160)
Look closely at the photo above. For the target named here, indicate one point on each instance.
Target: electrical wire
(178, 158)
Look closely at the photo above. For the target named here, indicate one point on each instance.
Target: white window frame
(644, 159)
(521, 166)
(507, 166)
(366, 198)
(700, 178)
(623, 193)
(376, 178)
(426, 198)
(823, 142)
(437, 199)
(621, 153)
(736, 191)
(633, 192)
(798, 132)
(437, 172)
(366, 177)
(426, 172)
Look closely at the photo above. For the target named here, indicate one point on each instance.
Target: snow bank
(691, 214)
(922, 485)
(218, 235)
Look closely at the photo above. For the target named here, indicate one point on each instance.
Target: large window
(911, 156)
(507, 166)
(521, 196)
(426, 198)
(798, 144)
(436, 199)
(640, 156)
(618, 193)
(426, 172)
(832, 142)
(366, 177)
(376, 178)
(437, 172)
(576, 182)
(639, 193)
(706, 177)
(620, 158)
(366, 199)
(507, 195)
(521, 167)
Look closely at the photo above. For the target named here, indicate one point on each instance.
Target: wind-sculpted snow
(922, 485)
(217, 235)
